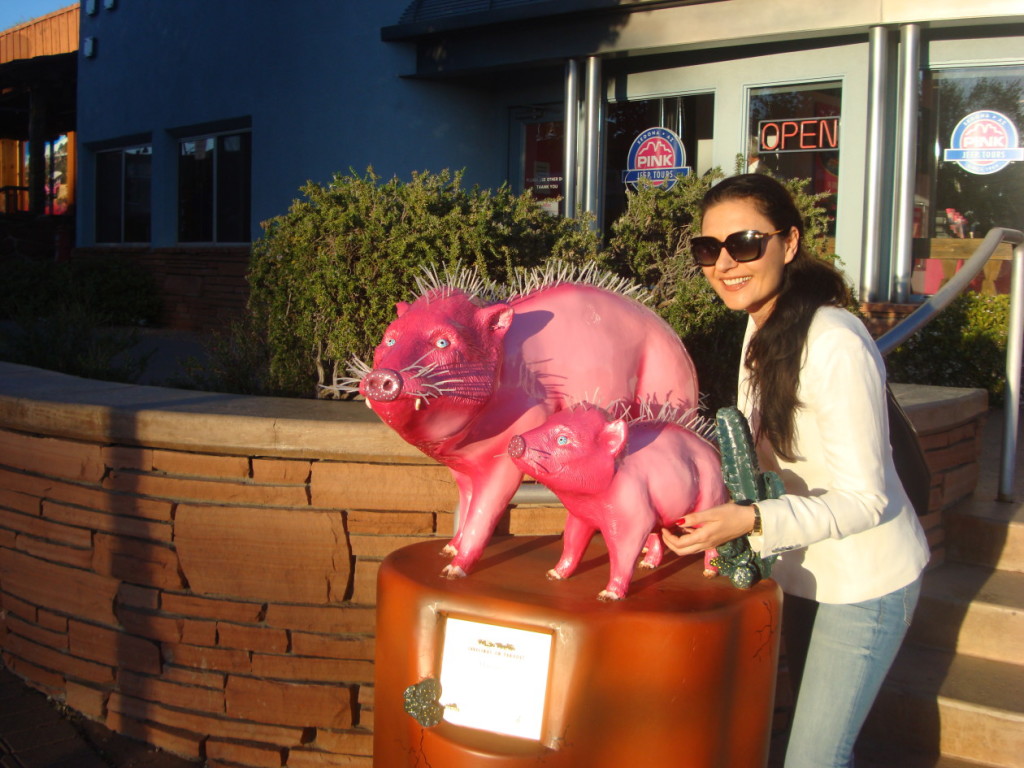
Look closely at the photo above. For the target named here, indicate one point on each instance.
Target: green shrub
(112, 290)
(73, 339)
(963, 346)
(118, 289)
(325, 276)
(77, 317)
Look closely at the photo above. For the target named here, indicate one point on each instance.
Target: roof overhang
(424, 19)
(53, 79)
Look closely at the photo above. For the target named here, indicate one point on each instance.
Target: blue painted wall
(323, 92)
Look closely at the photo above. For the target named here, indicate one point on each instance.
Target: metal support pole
(1011, 403)
(910, 44)
(37, 171)
(571, 135)
(873, 193)
(594, 112)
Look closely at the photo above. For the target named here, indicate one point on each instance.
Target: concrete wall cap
(45, 402)
(933, 409)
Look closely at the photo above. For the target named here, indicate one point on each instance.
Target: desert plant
(325, 276)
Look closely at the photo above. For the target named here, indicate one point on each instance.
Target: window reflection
(123, 184)
(689, 117)
(793, 133)
(214, 189)
(957, 200)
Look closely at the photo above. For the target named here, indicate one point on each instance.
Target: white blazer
(845, 529)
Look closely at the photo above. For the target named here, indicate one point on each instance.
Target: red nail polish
(681, 522)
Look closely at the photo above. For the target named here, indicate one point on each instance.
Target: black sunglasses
(742, 246)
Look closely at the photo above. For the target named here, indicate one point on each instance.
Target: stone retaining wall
(199, 570)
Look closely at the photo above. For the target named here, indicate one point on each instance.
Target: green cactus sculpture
(745, 482)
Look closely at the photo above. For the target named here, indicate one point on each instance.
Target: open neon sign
(805, 134)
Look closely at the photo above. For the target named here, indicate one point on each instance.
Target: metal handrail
(1015, 335)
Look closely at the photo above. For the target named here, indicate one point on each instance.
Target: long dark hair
(775, 352)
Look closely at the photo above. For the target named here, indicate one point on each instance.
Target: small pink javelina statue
(458, 373)
(626, 479)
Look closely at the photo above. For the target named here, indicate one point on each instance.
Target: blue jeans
(850, 650)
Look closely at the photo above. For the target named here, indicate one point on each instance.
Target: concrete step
(985, 532)
(958, 706)
(880, 756)
(972, 610)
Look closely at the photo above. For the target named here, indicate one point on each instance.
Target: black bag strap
(908, 456)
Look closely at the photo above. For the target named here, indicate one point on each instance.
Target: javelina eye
(390, 342)
(562, 440)
(441, 343)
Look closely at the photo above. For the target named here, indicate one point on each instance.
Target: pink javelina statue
(457, 375)
(625, 479)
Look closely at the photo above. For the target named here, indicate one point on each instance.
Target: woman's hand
(710, 528)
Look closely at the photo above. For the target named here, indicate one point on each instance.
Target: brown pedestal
(680, 674)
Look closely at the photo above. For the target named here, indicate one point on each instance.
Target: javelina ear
(401, 307)
(613, 436)
(497, 318)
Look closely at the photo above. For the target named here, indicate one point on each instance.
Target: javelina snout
(516, 447)
(383, 385)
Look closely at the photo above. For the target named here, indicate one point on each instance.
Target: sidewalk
(38, 733)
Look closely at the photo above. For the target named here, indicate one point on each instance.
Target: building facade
(38, 67)
(199, 119)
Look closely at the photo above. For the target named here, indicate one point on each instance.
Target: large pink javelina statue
(625, 479)
(457, 375)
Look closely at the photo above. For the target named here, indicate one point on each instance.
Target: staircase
(955, 696)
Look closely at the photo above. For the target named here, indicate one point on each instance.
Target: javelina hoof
(553, 575)
(453, 572)
(606, 596)
(448, 551)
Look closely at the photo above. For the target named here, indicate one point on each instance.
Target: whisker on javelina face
(474, 385)
(343, 386)
(416, 364)
(533, 460)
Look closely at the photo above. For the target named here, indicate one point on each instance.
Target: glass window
(970, 171)
(544, 159)
(123, 183)
(691, 118)
(794, 133)
(967, 109)
(214, 189)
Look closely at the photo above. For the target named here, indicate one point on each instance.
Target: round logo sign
(657, 155)
(984, 142)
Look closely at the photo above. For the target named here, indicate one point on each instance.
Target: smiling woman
(812, 385)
